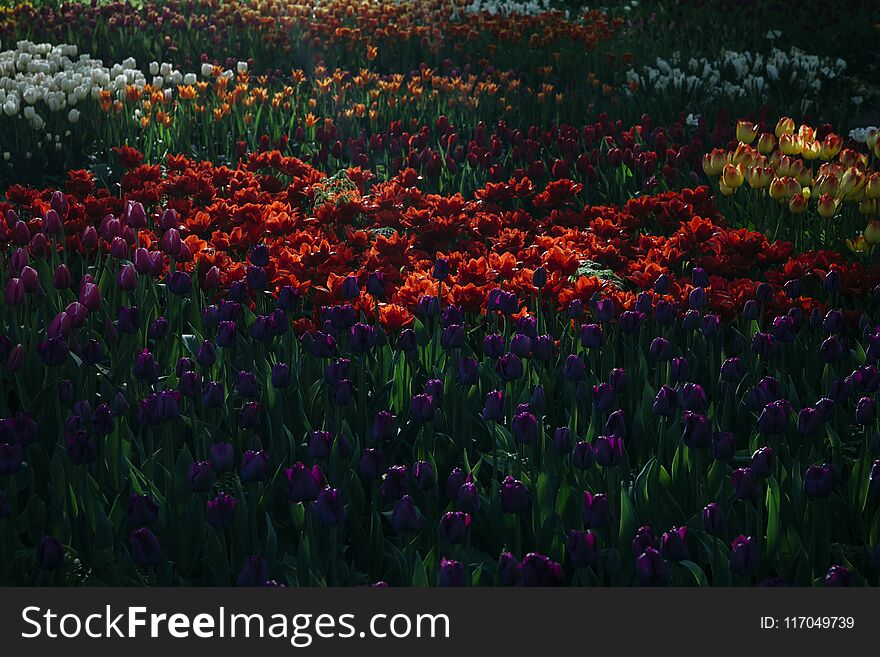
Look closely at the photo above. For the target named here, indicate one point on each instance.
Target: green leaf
(420, 575)
(697, 572)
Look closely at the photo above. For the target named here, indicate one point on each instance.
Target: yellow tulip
(766, 143)
(746, 131)
(826, 206)
(859, 245)
(732, 175)
(785, 126)
(798, 204)
(872, 232)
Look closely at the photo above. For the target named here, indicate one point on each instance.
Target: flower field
(456, 293)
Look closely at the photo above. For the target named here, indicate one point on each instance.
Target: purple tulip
(525, 428)
(372, 463)
(50, 553)
(423, 475)
(818, 481)
(509, 570)
(494, 406)
(304, 483)
(603, 397)
(745, 484)
(744, 556)
(673, 544)
(280, 375)
(394, 483)
(220, 512)
(697, 432)
(405, 516)
(608, 450)
(328, 507)
(200, 477)
(866, 411)
(582, 548)
(515, 496)
(451, 573)
(142, 510)
(838, 576)
(254, 466)
(454, 526)
(597, 511)
(665, 402)
(422, 408)
(774, 417)
(539, 570)
(591, 336)
(762, 462)
(320, 445)
(254, 572)
(713, 519)
(145, 549)
(509, 367)
(651, 568)
(692, 398)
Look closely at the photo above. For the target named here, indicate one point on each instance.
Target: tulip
(603, 397)
(206, 355)
(673, 544)
(451, 573)
(608, 450)
(866, 411)
(774, 417)
(723, 445)
(697, 432)
(220, 512)
(454, 527)
(422, 408)
(762, 462)
(50, 553)
(255, 466)
(254, 572)
(733, 175)
(515, 496)
(744, 556)
(525, 428)
(597, 511)
(838, 576)
(405, 516)
(665, 402)
(509, 367)
(713, 519)
(200, 477)
(539, 570)
(320, 444)
(643, 540)
(582, 457)
(745, 484)
(591, 336)
(372, 463)
(303, 483)
(818, 481)
(14, 293)
(582, 548)
(652, 569)
(180, 283)
(423, 475)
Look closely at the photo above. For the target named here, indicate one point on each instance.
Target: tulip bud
(744, 556)
(145, 549)
(826, 206)
(50, 553)
(798, 204)
(785, 126)
(746, 131)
